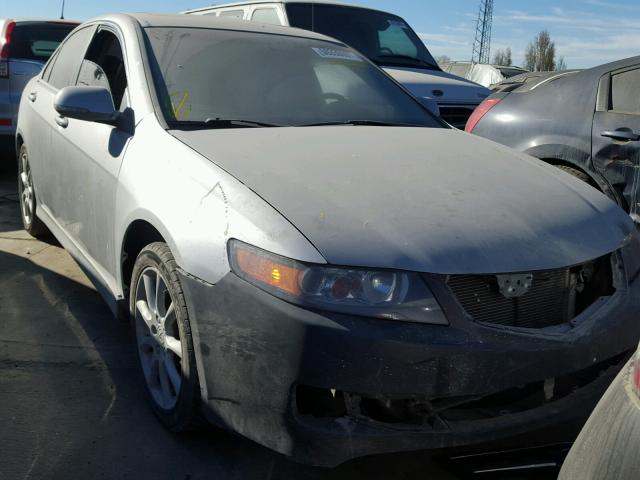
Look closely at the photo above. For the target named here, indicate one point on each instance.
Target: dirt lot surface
(72, 405)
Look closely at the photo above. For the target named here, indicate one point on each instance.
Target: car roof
(608, 67)
(146, 20)
(318, 2)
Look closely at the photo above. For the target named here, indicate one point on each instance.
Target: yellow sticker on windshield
(181, 110)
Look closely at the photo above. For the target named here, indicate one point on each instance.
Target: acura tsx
(308, 256)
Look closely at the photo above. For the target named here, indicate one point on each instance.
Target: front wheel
(32, 224)
(163, 338)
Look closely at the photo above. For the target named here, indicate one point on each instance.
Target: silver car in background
(25, 46)
(310, 258)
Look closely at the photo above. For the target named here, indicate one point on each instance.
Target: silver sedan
(307, 255)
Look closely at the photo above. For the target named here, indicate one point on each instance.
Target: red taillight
(4, 50)
(5, 122)
(480, 112)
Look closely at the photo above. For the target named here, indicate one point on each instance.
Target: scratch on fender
(218, 186)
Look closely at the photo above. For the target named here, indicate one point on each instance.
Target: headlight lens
(390, 295)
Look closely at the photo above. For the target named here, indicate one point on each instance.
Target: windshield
(208, 76)
(37, 40)
(386, 39)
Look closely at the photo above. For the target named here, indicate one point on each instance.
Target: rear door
(41, 118)
(616, 133)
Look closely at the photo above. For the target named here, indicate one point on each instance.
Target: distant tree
(540, 55)
(503, 57)
(443, 59)
(561, 64)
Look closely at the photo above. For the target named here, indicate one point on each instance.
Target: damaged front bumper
(324, 388)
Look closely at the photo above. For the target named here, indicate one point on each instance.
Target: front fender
(196, 206)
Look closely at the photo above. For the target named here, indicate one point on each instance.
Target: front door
(92, 154)
(616, 134)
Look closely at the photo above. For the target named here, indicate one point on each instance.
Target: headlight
(386, 294)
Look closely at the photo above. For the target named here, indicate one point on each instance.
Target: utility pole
(62, 11)
(482, 43)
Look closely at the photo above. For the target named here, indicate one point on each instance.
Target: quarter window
(67, 62)
(625, 92)
(266, 15)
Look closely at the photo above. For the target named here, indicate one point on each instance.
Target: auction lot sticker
(336, 54)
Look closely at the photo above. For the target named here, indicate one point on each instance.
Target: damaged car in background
(308, 256)
(586, 122)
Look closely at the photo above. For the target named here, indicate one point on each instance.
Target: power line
(482, 43)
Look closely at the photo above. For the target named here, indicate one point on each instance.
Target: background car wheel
(163, 339)
(576, 173)
(32, 224)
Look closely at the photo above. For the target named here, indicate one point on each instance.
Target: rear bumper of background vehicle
(269, 370)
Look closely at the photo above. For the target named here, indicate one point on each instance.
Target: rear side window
(266, 15)
(625, 92)
(37, 41)
(67, 62)
(232, 14)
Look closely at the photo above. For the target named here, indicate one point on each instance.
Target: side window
(47, 70)
(266, 15)
(64, 69)
(103, 66)
(394, 39)
(625, 92)
(232, 14)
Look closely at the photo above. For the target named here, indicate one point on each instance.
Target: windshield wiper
(224, 123)
(389, 58)
(231, 123)
(374, 123)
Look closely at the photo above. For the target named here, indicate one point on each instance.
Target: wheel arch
(578, 159)
(19, 141)
(597, 181)
(557, 162)
(138, 235)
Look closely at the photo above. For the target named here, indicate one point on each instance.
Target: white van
(384, 38)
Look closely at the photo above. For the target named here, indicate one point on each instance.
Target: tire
(163, 341)
(28, 202)
(576, 173)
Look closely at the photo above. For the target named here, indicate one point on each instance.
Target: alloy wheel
(158, 338)
(27, 203)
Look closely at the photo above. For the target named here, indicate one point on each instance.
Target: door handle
(622, 134)
(33, 96)
(62, 121)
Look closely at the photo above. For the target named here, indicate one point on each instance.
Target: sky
(586, 32)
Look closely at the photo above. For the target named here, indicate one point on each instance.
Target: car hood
(421, 199)
(441, 86)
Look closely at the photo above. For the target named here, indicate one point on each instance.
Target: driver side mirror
(91, 104)
(430, 104)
